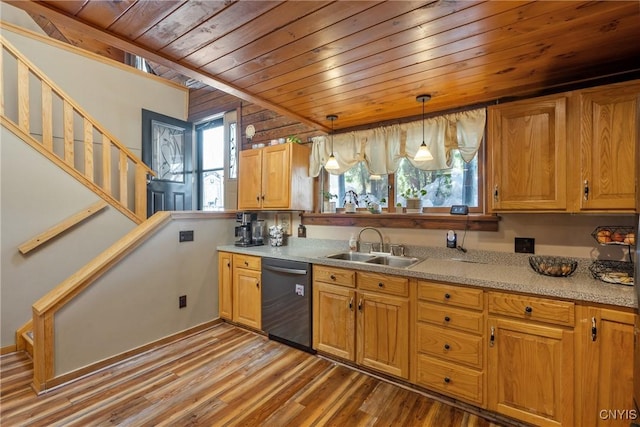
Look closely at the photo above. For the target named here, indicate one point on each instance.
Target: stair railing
(97, 158)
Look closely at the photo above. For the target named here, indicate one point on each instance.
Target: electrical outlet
(182, 301)
(525, 245)
(186, 236)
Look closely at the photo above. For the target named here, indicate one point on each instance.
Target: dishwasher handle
(295, 271)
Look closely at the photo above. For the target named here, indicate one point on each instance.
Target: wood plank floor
(224, 375)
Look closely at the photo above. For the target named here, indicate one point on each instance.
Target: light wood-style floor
(224, 375)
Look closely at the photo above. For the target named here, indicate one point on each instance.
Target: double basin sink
(376, 258)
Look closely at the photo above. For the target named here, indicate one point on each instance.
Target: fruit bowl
(553, 266)
(615, 235)
(620, 272)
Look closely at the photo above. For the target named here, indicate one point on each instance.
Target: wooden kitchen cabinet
(359, 325)
(275, 177)
(225, 285)
(604, 356)
(527, 158)
(449, 345)
(246, 290)
(609, 128)
(530, 369)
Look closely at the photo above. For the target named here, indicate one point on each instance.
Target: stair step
(28, 339)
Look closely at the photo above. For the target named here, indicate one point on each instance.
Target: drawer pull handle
(492, 338)
(528, 309)
(594, 329)
(332, 277)
(447, 318)
(447, 380)
(586, 189)
(360, 305)
(447, 296)
(446, 347)
(351, 304)
(246, 264)
(381, 285)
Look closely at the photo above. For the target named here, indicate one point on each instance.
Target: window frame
(200, 128)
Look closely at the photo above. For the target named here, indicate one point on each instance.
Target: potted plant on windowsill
(413, 196)
(328, 205)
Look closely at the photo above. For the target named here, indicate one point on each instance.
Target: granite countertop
(485, 269)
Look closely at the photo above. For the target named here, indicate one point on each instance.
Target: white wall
(136, 302)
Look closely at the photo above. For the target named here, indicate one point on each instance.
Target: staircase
(41, 114)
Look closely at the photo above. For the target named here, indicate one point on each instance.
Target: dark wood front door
(166, 149)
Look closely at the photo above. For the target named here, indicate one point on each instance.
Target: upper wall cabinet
(275, 177)
(608, 143)
(571, 152)
(527, 155)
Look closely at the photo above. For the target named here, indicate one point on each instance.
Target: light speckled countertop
(488, 270)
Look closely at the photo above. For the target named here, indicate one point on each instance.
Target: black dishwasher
(286, 302)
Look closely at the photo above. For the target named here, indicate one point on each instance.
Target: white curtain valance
(381, 149)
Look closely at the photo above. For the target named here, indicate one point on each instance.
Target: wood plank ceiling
(365, 61)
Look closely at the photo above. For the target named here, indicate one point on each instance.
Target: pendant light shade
(423, 153)
(332, 163)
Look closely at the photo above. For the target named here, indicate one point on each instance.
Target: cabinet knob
(447, 296)
(360, 305)
(332, 277)
(446, 347)
(594, 329)
(447, 380)
(586, 189)
(381, 285)
(257, 284)
(228, 264)
(492, 337)
(258, 198)
(262, 197)
(246, 264)
(528, 309)
(351, 304)
(495, 194)
(447, 318)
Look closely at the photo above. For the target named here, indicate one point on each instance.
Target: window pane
(446, 187)
(213, 190)
(213, 148)
(358, 180)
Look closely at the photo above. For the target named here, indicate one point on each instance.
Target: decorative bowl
(553, 266)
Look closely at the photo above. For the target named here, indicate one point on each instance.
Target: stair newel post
(43, 352)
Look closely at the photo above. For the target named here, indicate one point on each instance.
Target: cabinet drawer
(455, 381)
(386, 284)
(450, 295)
(247, 261)
(450, 318)
(533, 308)
(337, 276)
(450, 345)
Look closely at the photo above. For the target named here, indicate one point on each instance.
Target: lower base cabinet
(605, 339)
(371, 329)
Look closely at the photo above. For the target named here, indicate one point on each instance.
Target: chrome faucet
(374, 229)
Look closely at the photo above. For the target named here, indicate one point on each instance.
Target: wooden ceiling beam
(128, 46)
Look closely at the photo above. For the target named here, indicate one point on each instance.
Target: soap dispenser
(353, 244)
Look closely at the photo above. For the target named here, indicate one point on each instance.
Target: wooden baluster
(47, 117)
(68, 133)
(88, 149)
(106, 164)
(140, 192)
(23, 97)
(123, 179)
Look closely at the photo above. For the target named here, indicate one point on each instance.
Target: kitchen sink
(394, 261)
(352, 256)
(380, 259)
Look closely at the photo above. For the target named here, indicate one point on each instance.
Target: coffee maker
(243, 231)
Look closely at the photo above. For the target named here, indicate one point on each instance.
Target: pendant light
(332, 163)
(423, 153)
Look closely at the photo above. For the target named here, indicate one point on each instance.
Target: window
(444, 188)
(211, 165)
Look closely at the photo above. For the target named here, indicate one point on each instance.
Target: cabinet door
(276, 172)
(605, 359)
(609, 136)
(250, 183)
(334, 320)
(247, 308)
(527, 155)
(383, 334)
(530, 372)
(225, 291)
